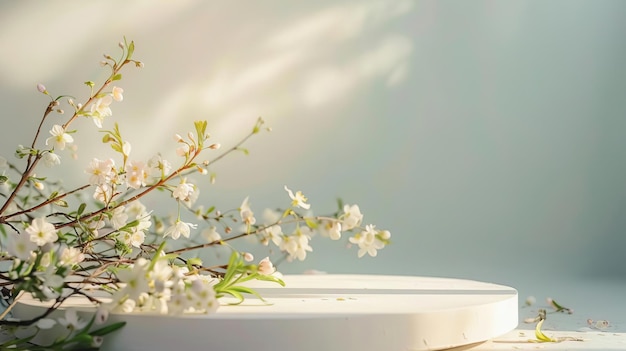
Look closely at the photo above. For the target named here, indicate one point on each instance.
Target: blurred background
(487, 136)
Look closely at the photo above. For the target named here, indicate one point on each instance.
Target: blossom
(370, 240)
(101, 109)
(183, 150)
(103, 193)
(51, 282)
(351, 217)
(41, 231)
(117, 93)
(72, 320)
(272, 233)
(183, 190)
(298, 199)
(71, 256)
(101, 171)
(297, 245)
(331, 228)
(118, 217)
(136, 174)
(211, 235)
(59, 137)
(135, 278)
(160, 167)
(51, 159)
(247, 216)
(179, 228)
(134, 238)
(266, 267)
(21, 246)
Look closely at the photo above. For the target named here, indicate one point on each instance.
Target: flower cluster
(108, 248)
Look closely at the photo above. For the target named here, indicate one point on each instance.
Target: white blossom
(183, 191)
(266, 267)
(117, 93)
(298, 200)
(59, 138)
(41, 231)
(72, 320)
(179, 228)
(101, 171)
(71, 256)
(370, 240)
(351, 217)
(51, 159)
(247, 216)
(211, 235)
(21, 246)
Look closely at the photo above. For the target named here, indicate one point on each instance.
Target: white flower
(247, 216)
(102, 314)
(101, 171)
(126, 148)
(331, 229)
(51, 282)
(103, 193)
(71, 256)
(183, 150)
(266, 267)
(297, 245)
(370, 240)
(50, 159)
(101, 108)
(273, 233)
(298, 199)
(119, 217)
(117, 93)
(59, 138)
(41, 232)
(179, 228)
(135, 278)
(21, 246)
(160, 167)
(136, 209)
(183, 191)
(137, 237)
(136, 174)
(72, 320)
(211, 235)
(351, 217)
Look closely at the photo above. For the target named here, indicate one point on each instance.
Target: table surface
(591, 299)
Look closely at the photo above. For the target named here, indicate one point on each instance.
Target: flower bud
(248, 257)
(215, 146)
(42, 88)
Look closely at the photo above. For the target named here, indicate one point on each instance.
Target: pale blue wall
(486, 135)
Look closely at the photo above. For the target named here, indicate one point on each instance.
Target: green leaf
(108, 329)
(200, 131)
(540, 335)
(131, 50)
(90, 84)
(310, 223)
(3, 179)
(116, 77)
(270, 278)
(81, 209)
(61, 203)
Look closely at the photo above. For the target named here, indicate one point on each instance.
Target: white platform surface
(333, 313)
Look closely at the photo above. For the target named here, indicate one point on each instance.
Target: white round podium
(329, 313)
